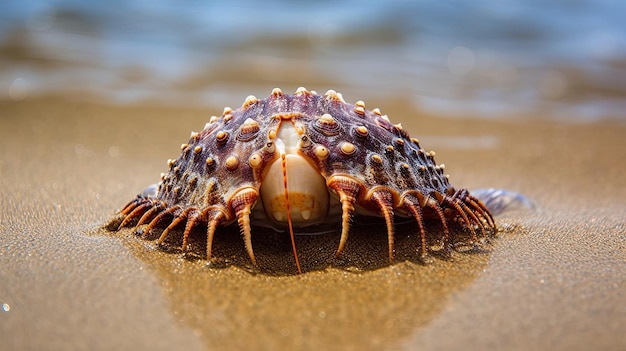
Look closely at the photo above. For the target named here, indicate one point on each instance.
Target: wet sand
(554, 278)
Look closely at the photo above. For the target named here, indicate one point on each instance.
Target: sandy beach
(553, 279)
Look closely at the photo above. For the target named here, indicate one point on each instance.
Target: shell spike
(249, 101)
(302, 90)
(332, 94)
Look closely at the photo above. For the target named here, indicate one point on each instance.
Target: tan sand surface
(554, 279)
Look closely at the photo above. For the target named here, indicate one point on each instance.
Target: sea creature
(296, 160)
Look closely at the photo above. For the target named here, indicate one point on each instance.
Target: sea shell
(297, 160)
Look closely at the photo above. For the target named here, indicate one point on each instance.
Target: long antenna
(293, 241)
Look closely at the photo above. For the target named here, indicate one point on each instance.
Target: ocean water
(564, 59)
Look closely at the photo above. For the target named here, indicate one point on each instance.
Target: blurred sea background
(564, 59)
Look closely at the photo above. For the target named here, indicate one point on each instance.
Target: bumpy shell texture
(369, 165)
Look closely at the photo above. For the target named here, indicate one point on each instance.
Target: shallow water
(565, 59)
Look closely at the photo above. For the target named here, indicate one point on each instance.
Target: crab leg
(214, 220)
(191, 222)
(348, 191)
(181, 217)
(156, 220)
(459, 209)
(472, 201)
(432, 203)
(412, 205)
(242, 204)
(477, 204)
(131, 205)
(475, 218)
(384, 201)
(155, 209)
(136, 212)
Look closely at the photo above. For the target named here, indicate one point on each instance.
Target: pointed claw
(348, 191)
(241, 205)
(384, 200)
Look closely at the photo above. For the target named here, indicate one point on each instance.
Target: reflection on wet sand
(360, 297)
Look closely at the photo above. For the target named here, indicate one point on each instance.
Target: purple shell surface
(297, 160)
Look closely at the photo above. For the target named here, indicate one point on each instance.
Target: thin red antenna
(293, 241)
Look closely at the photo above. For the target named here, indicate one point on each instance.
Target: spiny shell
(370, 164)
